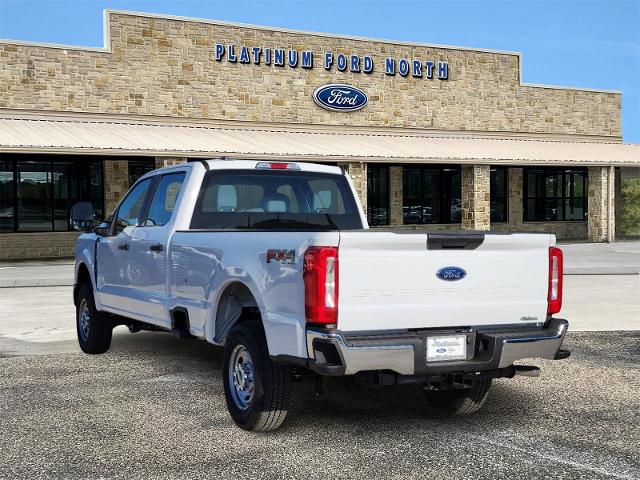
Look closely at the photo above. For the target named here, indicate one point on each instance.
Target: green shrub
(630, 211)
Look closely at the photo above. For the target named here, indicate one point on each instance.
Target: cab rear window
(267, 200)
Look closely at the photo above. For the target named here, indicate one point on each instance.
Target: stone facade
(358, 173)
(22, 246)
(601, 202)
(475, 197)
(515, 218)
(395, 195)
(116, 183)
(169, 161)
(167, 67)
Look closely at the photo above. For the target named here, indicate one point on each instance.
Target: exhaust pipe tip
(527, 371)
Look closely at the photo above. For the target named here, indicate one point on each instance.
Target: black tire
(266, 408)
(460, 402)
(95, 329)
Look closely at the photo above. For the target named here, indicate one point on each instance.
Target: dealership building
(434, 137)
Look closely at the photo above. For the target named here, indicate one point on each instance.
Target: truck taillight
(554, 298)
(320, 275)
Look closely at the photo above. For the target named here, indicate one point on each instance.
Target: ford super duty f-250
(275, 262)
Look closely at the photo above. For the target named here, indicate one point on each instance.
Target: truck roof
(235, 164)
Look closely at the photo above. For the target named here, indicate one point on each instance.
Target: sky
(577, 43)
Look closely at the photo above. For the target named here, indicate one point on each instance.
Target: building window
(7, 196)
(498, 194)
(38, 192)
(138, 168)
(553, 194)
(377, 195)
(431, 194)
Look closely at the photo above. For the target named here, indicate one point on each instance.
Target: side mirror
(102, 230)
(81, 217)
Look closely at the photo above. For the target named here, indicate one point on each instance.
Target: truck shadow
(374, 408)
(379, 408)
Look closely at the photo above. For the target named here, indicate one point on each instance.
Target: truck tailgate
(389, 281)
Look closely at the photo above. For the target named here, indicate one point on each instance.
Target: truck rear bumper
(337, 353)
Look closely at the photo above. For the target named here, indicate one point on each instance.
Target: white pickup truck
(275, 262)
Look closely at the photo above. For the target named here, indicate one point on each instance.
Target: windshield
(266, 200)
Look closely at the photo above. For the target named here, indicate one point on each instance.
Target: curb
(22, 283)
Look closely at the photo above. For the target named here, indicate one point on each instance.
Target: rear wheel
(257, 390)
(460, 402)
(93, 328)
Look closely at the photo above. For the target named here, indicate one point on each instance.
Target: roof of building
(95, 134)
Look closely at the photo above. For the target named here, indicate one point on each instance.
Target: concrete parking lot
(153, 406)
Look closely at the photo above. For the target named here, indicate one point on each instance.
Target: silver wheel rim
(83, 320)
(241, 377)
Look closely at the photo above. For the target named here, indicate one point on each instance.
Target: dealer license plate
(450, 347)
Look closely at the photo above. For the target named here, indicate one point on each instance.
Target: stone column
(168, 161)
(475, 197)
(358, 173)
(116, 183)
(515, 188)
(395, 196)
(618, 201)
(601, 218)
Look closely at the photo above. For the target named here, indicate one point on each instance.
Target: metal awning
(171, 137)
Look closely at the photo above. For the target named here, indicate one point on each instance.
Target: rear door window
(263, 200)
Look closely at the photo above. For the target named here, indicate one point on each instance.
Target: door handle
(156, 248)
(123, 246)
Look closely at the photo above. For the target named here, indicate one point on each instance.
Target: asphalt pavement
(153, 407)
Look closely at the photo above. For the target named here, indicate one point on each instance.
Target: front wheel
(93, 328)
(460, 402)
(257, 390)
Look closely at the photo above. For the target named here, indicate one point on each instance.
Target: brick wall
(167, 67)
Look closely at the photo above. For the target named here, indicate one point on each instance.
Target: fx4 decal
(282, 256)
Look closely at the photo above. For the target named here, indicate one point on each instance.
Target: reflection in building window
(553, 194)
(377, 195)
(38, 192)
(138, 167)
(431, 194)
(498, 194)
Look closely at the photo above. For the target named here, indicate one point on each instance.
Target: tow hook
(526, 371)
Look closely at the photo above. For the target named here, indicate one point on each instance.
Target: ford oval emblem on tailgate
(451, 274)
(340, 98)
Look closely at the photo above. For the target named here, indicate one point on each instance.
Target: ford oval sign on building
(340, 98)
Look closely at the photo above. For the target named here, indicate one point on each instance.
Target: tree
(630, 211)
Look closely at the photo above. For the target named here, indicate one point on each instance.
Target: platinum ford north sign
(305, 59)
(340, 98)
